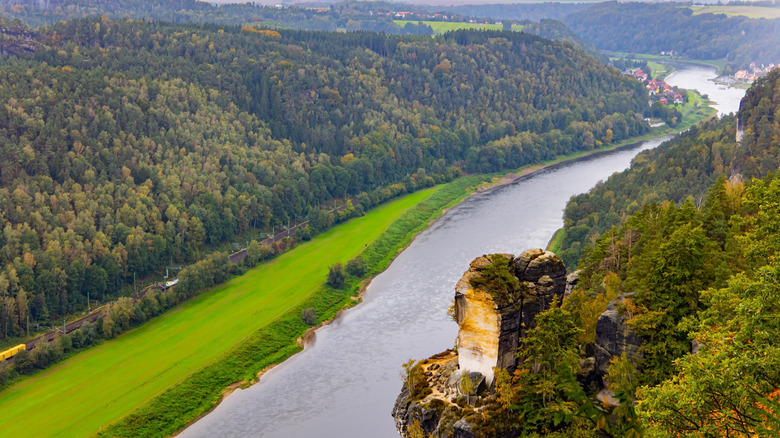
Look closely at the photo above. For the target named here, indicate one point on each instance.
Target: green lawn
(440, 27)
(101, 385)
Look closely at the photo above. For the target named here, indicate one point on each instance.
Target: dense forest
(350, 15)
(655, 27)
(129, 146)
(672, 172)
(557, 31)
(693, 287)
(701, 277)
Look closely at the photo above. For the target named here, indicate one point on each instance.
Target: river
(346, 380)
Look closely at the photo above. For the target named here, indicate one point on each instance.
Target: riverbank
(99, 386)
(165, 414)
(191, 398)
(165, 411)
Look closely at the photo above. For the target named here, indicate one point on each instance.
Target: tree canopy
(132, 145)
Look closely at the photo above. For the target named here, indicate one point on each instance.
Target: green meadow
(735, 10)
(440, 27)
(99, 386)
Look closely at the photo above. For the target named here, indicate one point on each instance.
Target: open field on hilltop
(98, 386)
(440, 27)
(733, 10)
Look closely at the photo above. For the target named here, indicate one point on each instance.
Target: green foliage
(169, 411)
(536, 401)
(466, 385)
(309, 315)
(686, 166)
(356, 267)
(415, 380)
(730, 387)
(498, 280)
(336, 276)
(586, 306)
(706, 273)
(655, 27)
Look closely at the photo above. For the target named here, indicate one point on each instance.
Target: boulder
(463, 429)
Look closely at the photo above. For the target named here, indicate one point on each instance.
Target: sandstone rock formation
(613, 335)
(496, 302)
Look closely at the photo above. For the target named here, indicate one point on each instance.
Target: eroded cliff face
(488, 326)
(496, 302)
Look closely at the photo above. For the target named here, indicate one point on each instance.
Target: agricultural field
(440, 27)
(734, 10)
(658, 70)
(85, 393)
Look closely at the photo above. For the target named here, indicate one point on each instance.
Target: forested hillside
(556, 30)
(699, 280)
(350, 15)
(683, 167)
(518, 11)
(669, 172)
(654, 27)
(129, 146)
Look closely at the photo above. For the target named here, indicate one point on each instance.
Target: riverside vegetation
(259, 312)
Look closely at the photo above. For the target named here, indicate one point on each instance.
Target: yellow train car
(12, 351)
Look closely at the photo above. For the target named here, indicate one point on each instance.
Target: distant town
(659, 90)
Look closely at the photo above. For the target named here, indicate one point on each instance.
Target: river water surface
(346, 380)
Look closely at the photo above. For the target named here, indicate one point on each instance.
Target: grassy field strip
(440, 27)
(735, 10)
(716, 63)
(100, 385)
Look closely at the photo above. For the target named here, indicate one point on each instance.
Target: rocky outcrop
(613, 335)
(17, 41)
(571, 282)
(488, 324)
(542, 276)
(496, 302)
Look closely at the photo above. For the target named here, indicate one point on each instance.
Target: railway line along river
(346, 380)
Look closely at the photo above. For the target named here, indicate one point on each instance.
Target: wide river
(346, 380)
